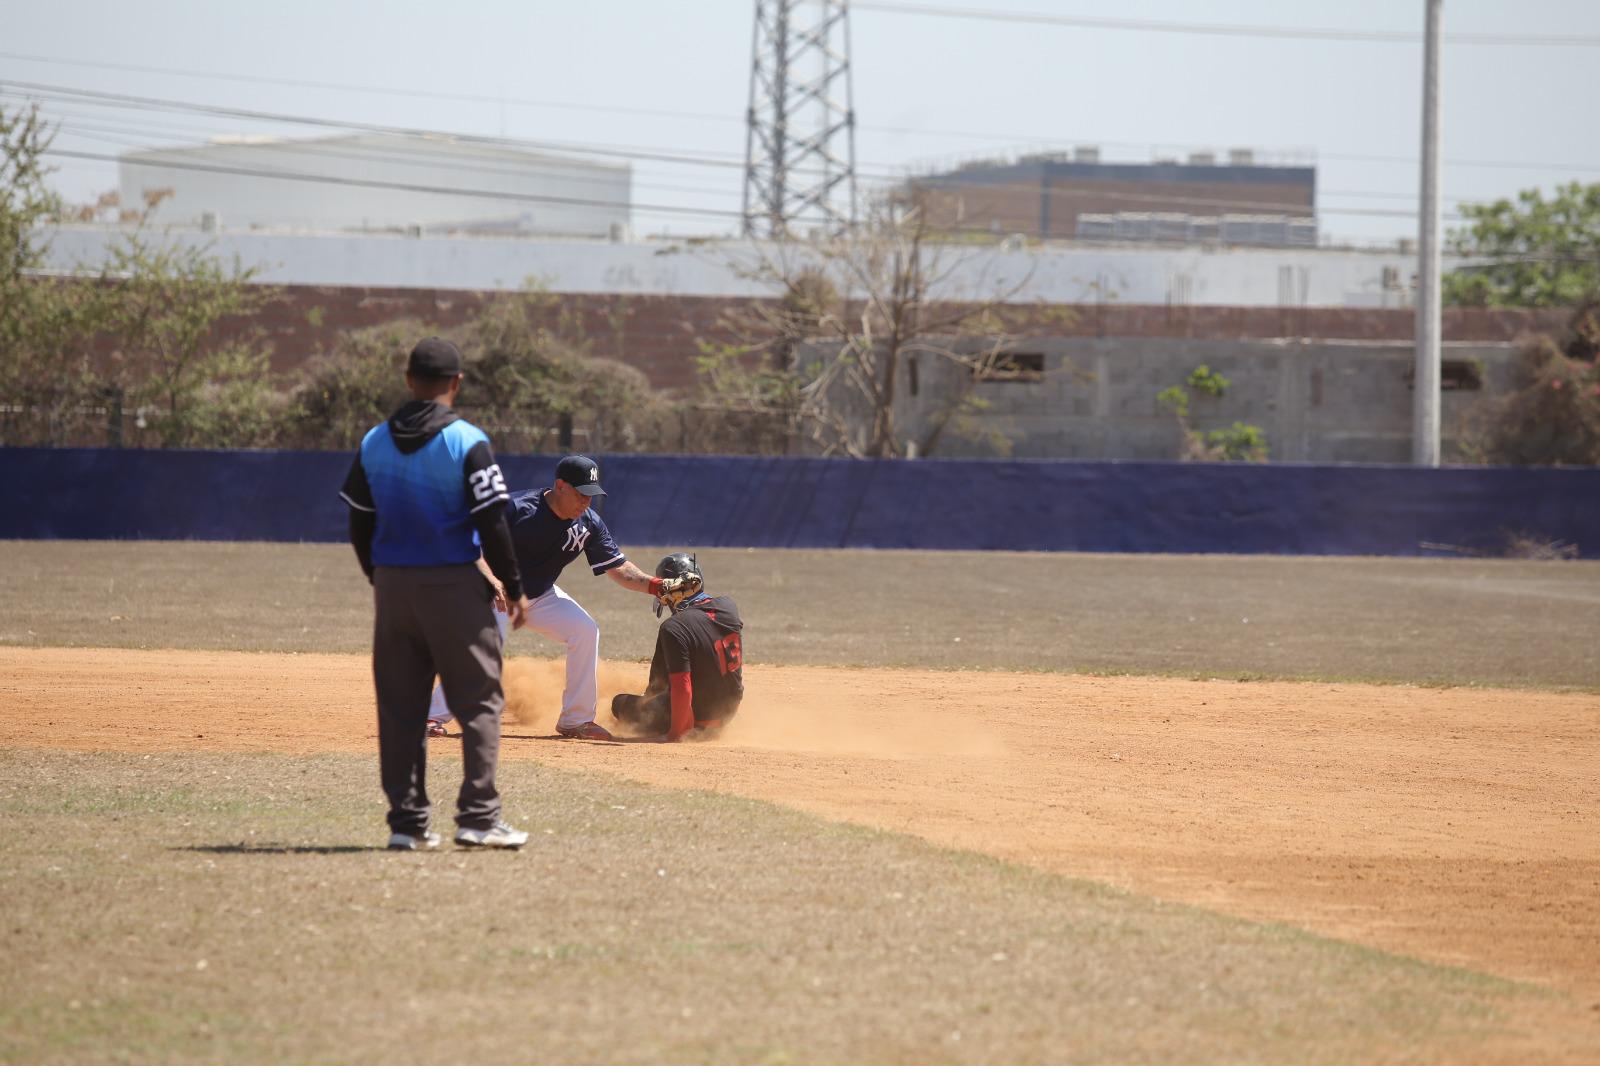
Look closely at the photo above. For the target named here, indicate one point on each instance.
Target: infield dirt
(1456, 825)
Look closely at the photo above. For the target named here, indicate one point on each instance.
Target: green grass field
(176, 908)
(1431, 621)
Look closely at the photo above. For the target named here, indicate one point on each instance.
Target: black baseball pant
(436, 620)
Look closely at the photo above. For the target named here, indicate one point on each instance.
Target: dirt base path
(1456, 825)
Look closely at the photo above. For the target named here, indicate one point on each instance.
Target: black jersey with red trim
(545, 544)
(705, 639)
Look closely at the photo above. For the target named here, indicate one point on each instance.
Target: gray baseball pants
(436, 620)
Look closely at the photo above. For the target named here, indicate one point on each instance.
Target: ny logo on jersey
(576, 535)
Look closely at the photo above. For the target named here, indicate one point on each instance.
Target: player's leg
(625, 707)
(402, 669)
(438, 711)
(466, 646)
(560, 617)
(439, 707)
(648, 714)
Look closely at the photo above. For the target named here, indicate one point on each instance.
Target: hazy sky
(673, 76)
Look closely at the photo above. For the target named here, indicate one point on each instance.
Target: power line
(978, 135)
(377, 90)
(128, 100)
(386, 155)
(398, 156)
(314, 149)
(91, 97)
(373, 183)
(80, 117)
(1241, 206)
(1500, 164)
(1214, 29)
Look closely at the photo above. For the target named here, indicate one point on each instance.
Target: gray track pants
(436, 620)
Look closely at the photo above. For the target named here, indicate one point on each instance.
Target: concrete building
(1321, 401)
(378, 182)
(1239, 201)
(1055, 272)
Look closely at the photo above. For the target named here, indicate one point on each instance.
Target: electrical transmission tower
(800, 145)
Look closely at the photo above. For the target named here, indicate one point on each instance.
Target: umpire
(425, 495)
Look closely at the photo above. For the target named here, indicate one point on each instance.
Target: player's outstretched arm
(630, 576)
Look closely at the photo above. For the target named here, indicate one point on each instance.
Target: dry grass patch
(185, 908)
(1503, 623)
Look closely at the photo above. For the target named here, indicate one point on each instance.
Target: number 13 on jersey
(728, 653)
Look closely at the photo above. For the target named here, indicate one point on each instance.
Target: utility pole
(1425, 395)
(800, 138)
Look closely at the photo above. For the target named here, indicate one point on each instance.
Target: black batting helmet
(678, 564)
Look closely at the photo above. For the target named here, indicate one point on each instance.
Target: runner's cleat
(586, 731)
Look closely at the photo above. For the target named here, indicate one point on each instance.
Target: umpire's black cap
(581, 473)
(434, 357)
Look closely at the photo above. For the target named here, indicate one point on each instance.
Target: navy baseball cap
(581, 473)
(434, 357)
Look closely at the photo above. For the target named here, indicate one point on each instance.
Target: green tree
(1529, 253)
(345, 392)
(530, 364)
(1240, 442)
(49, 389)
(188, 357)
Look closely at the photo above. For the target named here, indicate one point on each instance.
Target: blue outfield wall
(744, 501)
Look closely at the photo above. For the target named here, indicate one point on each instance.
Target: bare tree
(854, 316)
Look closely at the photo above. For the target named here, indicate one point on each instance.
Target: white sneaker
(406, 842)
(499, 835)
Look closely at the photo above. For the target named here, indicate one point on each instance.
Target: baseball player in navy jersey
(550, 528)
(697, 673)
(427, 502)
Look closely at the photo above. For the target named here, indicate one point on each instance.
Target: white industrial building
(379, 182)
(1056, 272)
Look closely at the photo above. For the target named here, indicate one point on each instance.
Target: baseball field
(977, 808)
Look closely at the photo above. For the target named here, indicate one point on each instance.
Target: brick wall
(660, 334)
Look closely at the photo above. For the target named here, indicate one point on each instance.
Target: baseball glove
(677, 589)
(671, 591)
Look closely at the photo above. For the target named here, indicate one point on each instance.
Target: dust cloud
(824, 711)
(534, 686)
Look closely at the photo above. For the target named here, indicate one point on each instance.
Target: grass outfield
(201, 908)
(195, 907)
(1431, 621)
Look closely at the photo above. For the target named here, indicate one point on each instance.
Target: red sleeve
(682, 705)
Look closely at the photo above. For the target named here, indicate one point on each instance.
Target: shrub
(347, 391)
(1552, 418)
(1239, 442)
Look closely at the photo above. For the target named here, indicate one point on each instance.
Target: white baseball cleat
(406, 842)
(499, 835)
